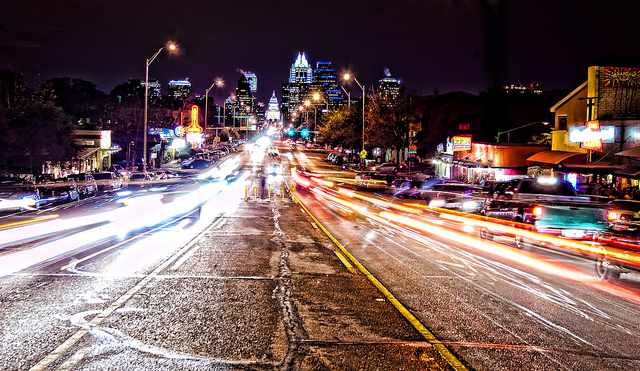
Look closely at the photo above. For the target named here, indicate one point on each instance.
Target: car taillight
(612, 216)
(537, 211)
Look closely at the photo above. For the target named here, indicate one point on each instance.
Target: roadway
(227, 282)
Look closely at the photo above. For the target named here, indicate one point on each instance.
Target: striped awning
(631, 152)
(84, 153)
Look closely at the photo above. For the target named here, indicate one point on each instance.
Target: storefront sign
(462, 143)
(592, 135)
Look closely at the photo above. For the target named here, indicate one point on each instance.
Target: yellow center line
(40, 219)
(437, 344)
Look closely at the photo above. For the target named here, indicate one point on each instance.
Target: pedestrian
(263, 185)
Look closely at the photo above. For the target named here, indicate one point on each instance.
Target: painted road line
(70, 342)
(437, 344)
(78, 261)
(40, 219)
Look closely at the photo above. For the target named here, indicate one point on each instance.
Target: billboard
(462, 143)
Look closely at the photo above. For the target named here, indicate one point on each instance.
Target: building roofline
(569, 96)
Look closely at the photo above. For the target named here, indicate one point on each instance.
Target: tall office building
(179, 89)
(253, 81)
(325, 83)
(301, 72)
(389, 87)
(244, 102)
(293, 92)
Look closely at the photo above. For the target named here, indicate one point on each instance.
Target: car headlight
(469, 205)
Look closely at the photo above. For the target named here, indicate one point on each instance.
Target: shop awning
(82, 154)
(590, 168)
(628, 172)
(555, 157)
(631, 152)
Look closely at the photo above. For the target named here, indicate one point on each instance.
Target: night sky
(450, 45)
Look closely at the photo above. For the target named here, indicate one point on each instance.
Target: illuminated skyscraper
(293, 92)
(179, 89)
(301, 72)
(325, 83)
(253, 81)
(389, 87)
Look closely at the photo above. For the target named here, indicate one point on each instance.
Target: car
(436, 192)
(404, 188)
(18, 194)
(196, 164)
(119, 170)
(58, 190)
(140, 179)
(388, 167)
(108, 181)
(86, 184)
(619, 241)
(273, 151)
(274, 168)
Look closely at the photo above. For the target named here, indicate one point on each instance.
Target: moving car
(440, 190)
(274, 168)
(404, 188)
(620, 241)
(18, 194)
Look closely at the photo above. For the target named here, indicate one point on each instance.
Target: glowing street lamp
(347, 77)
(206, 103)
(172, 47)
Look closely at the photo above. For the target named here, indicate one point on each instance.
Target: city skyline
(451, 46)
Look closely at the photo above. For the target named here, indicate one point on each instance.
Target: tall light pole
(171, 47)
(348, 96)
(206, 104)
(519, 127)
(347, 77)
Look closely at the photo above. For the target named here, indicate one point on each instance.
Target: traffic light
(291, 132)
(305, 132)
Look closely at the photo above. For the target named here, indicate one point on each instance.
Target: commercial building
(179, 89)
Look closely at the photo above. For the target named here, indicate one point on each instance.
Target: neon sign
(592, 135)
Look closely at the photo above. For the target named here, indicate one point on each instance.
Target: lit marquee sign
(592, 135)
(462, 143)
(194, 131)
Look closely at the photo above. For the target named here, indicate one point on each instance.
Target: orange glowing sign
(195, 118)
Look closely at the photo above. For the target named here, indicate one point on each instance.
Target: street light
(347, 77)
(171, 47)
(348, 96)
(519, 127)
(206, 103)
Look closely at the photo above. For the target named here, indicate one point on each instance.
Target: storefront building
(597, 127)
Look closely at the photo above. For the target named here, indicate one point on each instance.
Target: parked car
(18, 194)
(86, 184)
(58, 190)
(108, 181)
(140, 179)
(196, 164)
